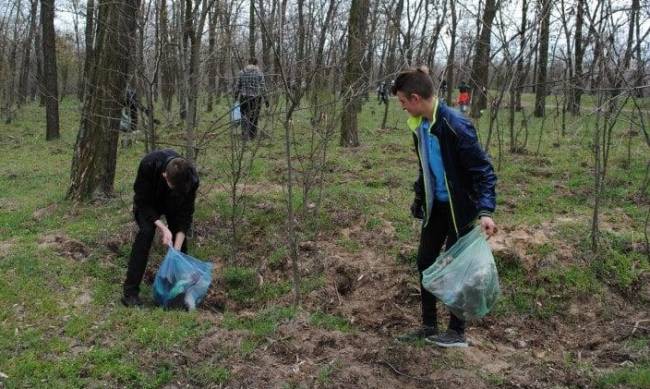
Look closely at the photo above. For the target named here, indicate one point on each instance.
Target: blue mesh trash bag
(181, 281)
(235, 114)
(465, 277)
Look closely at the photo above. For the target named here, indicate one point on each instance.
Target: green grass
(633, 377)
(330, 322)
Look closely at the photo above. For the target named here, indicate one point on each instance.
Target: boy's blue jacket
(469, 174)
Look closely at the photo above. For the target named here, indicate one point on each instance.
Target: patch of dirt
(525, 245)
(379, 297)
(64, 246)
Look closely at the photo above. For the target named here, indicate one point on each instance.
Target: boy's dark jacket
(153, 197)
(469, 173)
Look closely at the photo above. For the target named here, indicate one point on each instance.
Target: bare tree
(50, 80)
(93, 164)
(451, 58)
(481, 63)
(542, 59)
(354, 72)
(23, 86)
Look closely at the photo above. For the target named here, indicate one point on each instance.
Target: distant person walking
(382, 93)
(251, 90)
(464, 97)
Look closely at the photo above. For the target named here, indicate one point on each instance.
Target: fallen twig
(423, 379)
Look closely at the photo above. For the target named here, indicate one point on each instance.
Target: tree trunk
(576, 94)
(481, 63)
(251, 29)
(542, 58)
(354, 73)
(49, 70)
(23, 85)
(211, 63)
(520, 77)
(90, 35)
(167, 78)
(452, 53)
(95, 150)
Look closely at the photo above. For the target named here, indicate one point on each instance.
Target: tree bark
(353, 73)
(23, 85)
(481, 63)
(93, 165)
(451, 59)
(542, 58)
(520, 77)
(90, 35)
(212, 59)
(251, 29)
(49, 70)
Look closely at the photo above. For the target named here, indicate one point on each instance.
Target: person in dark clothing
(382, 93)
(166, 184)
(132, 107)
(251, 91)
(455, 187)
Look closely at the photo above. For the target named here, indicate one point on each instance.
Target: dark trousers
(433, 236)
(250, 113)
(140, 252)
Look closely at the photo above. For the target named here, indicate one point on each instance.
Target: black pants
(140, 252)
(250, 113)
(434, 235)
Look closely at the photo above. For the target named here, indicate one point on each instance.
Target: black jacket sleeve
(143, 187)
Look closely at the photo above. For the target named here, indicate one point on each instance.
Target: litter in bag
(465, 277)
(181, 281)
(235, 114)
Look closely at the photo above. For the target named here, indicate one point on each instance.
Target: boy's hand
(488, 226)
(166, 235)
(416, 210)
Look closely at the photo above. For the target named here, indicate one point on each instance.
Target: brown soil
(380, 298)
(65, 246)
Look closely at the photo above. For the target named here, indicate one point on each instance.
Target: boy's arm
(477, 163)
(418, 188)
(144, 192)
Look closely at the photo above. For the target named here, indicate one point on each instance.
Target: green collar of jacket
(414, 121)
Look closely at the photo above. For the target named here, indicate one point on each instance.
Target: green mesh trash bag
(465, 277)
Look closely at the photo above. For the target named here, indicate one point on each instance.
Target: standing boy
(166, 184)
(455, 187)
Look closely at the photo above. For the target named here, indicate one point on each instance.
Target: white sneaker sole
(448, 345)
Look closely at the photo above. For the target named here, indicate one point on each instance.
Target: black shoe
(449, 339)
(423, 332)
(131, 301)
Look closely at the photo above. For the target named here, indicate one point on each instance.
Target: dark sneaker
(131, 301)
(423, 332)
(449, 339)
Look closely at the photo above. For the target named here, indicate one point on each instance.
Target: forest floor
(568, 317)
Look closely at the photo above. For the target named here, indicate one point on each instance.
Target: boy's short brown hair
(180, 175)
(414, 81)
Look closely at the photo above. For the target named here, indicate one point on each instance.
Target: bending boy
(455, 187)
(166, 184)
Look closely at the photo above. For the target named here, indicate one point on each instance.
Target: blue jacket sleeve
(476, 161)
